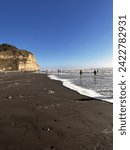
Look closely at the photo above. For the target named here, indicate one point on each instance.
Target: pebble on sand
(51, 92)
(9, 97)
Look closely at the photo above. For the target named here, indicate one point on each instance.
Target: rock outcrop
(14, 59)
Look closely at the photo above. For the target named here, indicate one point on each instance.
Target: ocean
(99, 86)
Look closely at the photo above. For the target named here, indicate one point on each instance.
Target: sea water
(99, 86)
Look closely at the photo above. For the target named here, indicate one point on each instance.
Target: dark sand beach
(37, 113)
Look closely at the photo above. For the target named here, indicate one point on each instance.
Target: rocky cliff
(14, 59)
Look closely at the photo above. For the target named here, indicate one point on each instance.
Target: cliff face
(14, 59)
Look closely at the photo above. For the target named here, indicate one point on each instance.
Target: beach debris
(16, 83)
(46, 107)
(11, 85)
(21, 96)
(51, 92)
(107, 131)
(9, 97)
(13, 124)
(46, 129)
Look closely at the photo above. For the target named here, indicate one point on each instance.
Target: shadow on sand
(85, 99)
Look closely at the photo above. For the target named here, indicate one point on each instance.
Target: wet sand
(37, 113)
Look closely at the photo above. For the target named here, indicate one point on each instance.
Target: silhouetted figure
(58, 71)
(81, 72)
(94, 72)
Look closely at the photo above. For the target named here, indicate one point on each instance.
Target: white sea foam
(81, 90)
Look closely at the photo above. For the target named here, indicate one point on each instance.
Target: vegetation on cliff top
(10, 48)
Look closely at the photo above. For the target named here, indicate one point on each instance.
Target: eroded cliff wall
(14, 59)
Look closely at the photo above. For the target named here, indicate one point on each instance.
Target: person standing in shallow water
(58, 71)
(81, 72)
(95, 72)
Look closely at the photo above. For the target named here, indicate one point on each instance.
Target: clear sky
(60, 33)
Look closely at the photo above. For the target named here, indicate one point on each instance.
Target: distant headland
(14, 59)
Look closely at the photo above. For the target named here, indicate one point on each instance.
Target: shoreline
(81, 90)
(39, 113)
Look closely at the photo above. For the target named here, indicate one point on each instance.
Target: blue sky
(60, 33)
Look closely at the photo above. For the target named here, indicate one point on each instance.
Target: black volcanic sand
(37, 113)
